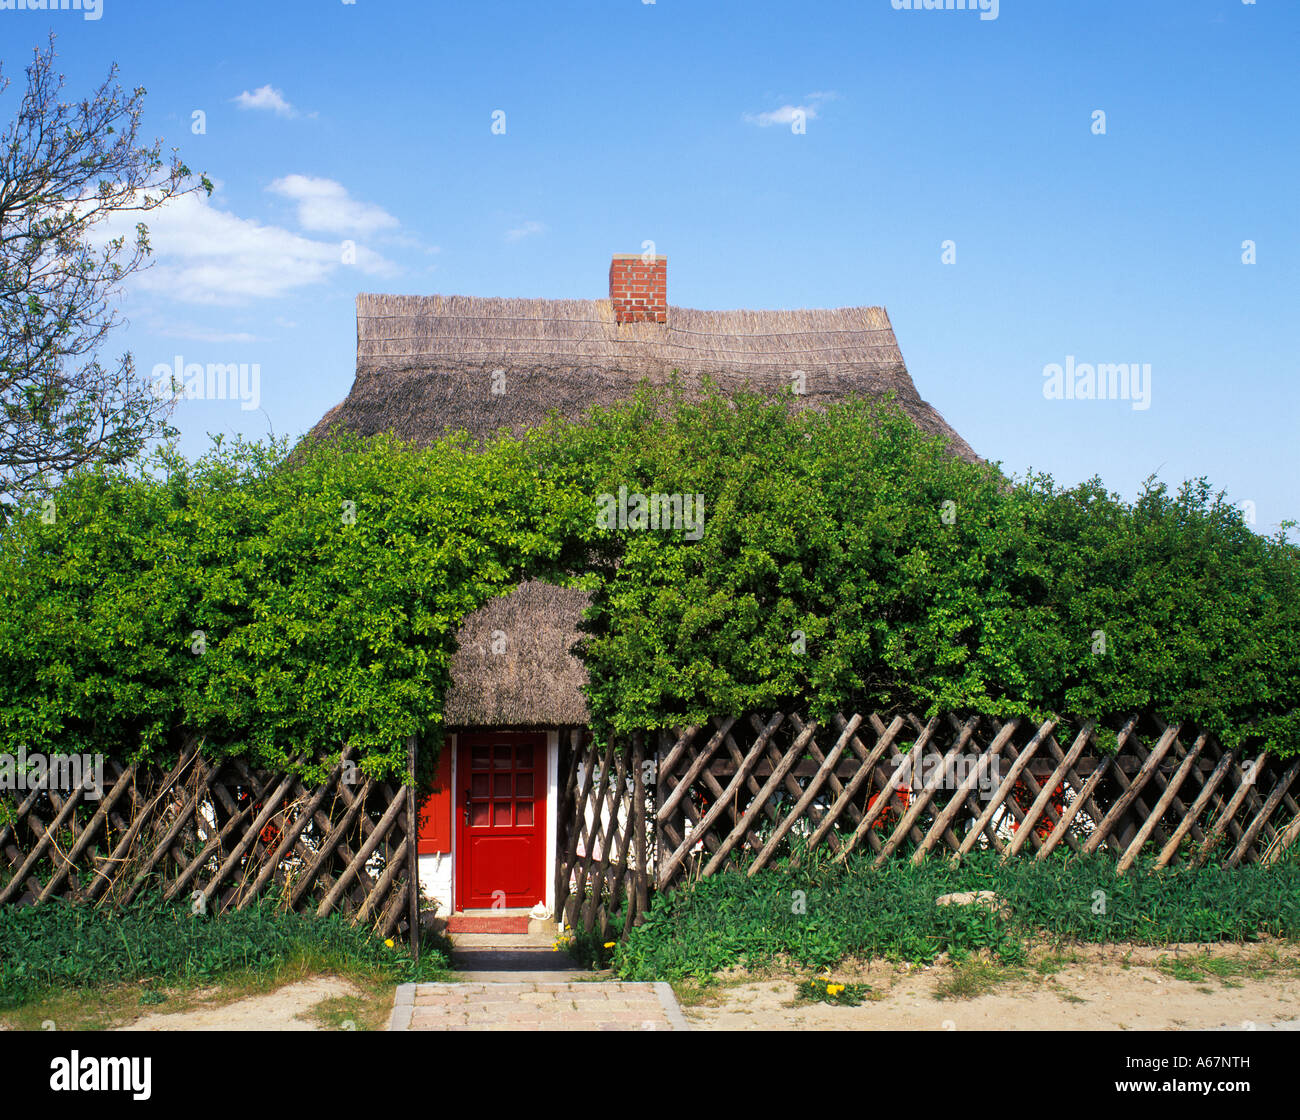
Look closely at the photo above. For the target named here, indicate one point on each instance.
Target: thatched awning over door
(513, 667)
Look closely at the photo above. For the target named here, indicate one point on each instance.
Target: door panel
(436, 813)
(501, 820)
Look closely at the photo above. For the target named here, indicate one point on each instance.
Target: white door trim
(552, 808)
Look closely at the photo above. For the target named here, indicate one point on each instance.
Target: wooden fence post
(413, 847)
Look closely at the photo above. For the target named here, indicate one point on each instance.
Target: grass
(974, 977)
(815, 917)
(369, 1010)
(89, 968)
(110, 1005)
(1049, 962)
(1229, 971)
(692, 993)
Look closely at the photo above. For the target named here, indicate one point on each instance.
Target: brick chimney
(638, 288)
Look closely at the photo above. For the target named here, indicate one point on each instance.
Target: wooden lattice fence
(753, 791)
(606, 802)
(220, 836)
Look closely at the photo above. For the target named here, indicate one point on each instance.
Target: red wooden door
(500, 820)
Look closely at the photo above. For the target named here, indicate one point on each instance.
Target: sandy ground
(1088, 988)
(274, 1011)
(1095, 993)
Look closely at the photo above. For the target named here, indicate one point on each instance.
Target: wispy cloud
(325, 206)
(266, 99)
(528, 229)
(410, 241)
(204, 255)
(191, 333)
(788, 114)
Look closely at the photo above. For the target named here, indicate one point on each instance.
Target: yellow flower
(834, 989)
(609, 944)
(389, 942)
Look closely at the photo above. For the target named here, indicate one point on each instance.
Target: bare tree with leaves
(66, 169)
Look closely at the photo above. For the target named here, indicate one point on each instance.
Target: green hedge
(327, 595)
(846, 561)
(849, 561)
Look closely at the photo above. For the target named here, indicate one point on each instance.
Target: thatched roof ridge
(431, 364)
(528, 678)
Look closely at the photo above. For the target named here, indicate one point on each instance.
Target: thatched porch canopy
(514, 666)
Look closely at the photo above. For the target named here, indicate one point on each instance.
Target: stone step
(557, 976)
(507, 962)
(539, 941)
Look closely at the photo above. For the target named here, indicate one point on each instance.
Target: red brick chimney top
(638, 288)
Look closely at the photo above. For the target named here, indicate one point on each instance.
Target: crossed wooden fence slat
(751, 791)
(222, 836)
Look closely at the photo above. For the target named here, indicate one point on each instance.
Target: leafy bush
(273, 612)
(59, 944)
(280, 609)
(849, 561)
(818, 918)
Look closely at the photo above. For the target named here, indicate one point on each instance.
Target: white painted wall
(435, 879)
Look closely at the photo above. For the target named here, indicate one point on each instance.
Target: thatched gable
(427, 365)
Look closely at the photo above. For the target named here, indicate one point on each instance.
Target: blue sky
(670, 122)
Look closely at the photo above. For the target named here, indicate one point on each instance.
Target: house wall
(436, 877)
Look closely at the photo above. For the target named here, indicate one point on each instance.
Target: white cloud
(787, 113)
(267, 99)
(528, 229)
(204, 255)
(325, 206)
(783, 115)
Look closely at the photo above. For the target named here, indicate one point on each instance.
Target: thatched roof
(429, 364)
(513, 667)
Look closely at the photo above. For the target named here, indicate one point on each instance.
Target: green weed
(60, 945)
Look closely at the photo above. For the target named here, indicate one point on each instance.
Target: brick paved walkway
(536, 1005)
